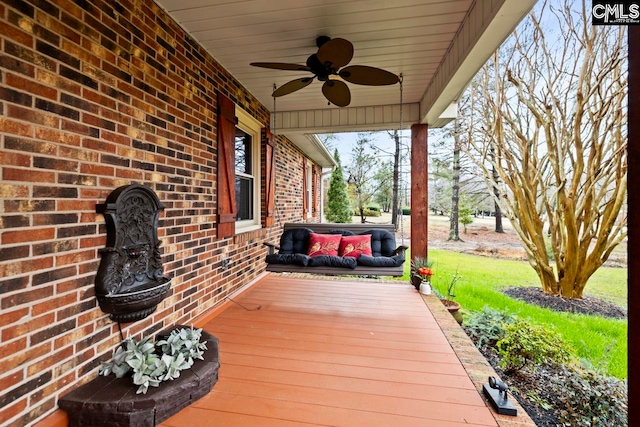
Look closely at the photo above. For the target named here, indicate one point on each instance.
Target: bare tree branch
(549, 130)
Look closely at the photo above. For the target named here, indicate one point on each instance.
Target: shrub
(406, 211)
(465, 218)
(151, 365)
(184, 341)
(525, 342)
(487, 326)
(587, 398)
(374, 208)
(369, 212)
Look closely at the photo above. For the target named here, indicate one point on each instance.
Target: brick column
(419, 191)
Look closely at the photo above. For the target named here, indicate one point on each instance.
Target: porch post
(633, 199)
(419, 191)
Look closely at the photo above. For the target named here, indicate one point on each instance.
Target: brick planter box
(113, 402)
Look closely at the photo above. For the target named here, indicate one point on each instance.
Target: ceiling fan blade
(281, 66)
(336, 93)
(336, 51)
(292, 86)
(364, 75)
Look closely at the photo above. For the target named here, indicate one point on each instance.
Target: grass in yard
(599, 341)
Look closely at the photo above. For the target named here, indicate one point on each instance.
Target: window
(247, 172)
(238, 173)
(244, 175)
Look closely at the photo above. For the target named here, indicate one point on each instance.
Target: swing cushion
(292, 259)
(383, 244)
(380, 261)
(295, 242)
(332, 261)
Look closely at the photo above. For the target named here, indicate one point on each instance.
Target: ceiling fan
(331, 59)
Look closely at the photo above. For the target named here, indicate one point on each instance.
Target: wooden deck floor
(334, 353)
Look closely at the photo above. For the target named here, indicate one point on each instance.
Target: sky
(346, 141)
(385, 145)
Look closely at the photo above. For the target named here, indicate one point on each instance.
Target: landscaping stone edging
(107, 401)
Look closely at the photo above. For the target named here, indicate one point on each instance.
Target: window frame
(309, 188)
(252, 127)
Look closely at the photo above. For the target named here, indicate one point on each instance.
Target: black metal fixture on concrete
(496, 391)
(129, 282)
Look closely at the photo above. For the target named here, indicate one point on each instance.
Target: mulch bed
(586, 305)
(529, 389)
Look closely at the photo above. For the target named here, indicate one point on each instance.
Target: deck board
(334, 353)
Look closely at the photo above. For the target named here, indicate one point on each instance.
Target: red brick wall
(93, 97)
(289, 196)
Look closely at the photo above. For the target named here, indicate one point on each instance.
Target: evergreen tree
(337, 200)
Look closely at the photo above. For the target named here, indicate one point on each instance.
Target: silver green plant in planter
(150, 367)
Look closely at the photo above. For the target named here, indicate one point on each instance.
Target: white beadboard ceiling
(437, 45)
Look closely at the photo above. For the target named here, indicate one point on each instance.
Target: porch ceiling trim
(350, 119)
(483, 30)
(485, 27)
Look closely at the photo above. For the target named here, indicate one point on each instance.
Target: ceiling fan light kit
(332, 56)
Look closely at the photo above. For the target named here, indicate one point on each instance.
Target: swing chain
(274, 112)
(278, 220)
(400, 165)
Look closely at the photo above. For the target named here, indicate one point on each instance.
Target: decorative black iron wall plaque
(129, 282)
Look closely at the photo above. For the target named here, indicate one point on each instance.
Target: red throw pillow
(355, 246)
(323, 244)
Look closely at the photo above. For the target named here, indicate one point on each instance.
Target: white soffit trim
(348, 119)
(313, 148)
(484, 29)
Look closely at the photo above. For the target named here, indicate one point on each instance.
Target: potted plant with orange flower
(421, 273)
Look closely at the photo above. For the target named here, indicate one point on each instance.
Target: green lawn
(598, 341)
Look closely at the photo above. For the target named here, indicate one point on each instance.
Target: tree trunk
(496, 193)
(454, 232)
(498, 210)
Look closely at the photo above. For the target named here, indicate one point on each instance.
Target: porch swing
(338, 249)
